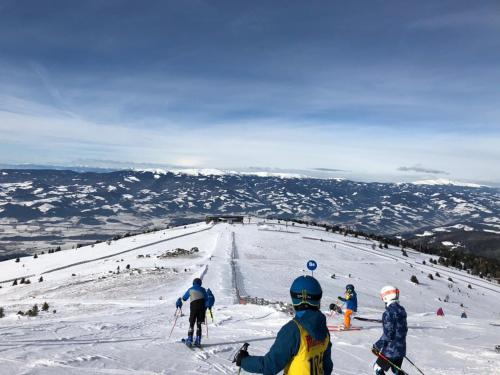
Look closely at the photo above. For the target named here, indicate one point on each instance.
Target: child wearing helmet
(351, 301)
(391, 347)
(198, 304)
(302, 346)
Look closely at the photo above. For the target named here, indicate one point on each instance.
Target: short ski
(193, 346)
(368, 319)
(338, 328)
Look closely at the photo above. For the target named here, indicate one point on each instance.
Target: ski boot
(189, 341)
(197, 341)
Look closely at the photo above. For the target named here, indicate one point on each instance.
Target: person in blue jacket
(210, 302)
(198, 304)
(351, 304)
(302, 346)
(391, 347)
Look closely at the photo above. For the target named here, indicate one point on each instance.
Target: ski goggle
(388, 292)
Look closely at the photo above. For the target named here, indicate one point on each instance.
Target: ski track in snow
(110, 322)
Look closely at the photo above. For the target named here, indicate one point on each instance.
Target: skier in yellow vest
(302, 346)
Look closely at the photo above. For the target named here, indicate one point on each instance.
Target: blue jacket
(195, 293)
(351, 301)
(287, 344)
(210, 299)
(178, 303)
(392, 344)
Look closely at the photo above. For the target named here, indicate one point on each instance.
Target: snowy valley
(50, 208)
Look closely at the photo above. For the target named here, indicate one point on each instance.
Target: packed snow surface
(113, 320)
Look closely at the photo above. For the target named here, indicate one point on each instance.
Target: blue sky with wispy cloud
(381, 90)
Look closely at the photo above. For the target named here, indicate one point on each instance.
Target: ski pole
(206, 324)
(392, 364)
(211, 315)
(244, 347)
(414, 365)
(173, 326)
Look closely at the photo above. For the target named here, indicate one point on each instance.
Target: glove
(375, 351)
(243, 353)
(333, 307)
(178, 304)
(339, 298)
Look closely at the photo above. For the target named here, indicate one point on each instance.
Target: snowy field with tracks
(114, 319)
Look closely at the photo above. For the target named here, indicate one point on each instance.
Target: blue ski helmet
(197, 281)
(349, 288)
(306, 293)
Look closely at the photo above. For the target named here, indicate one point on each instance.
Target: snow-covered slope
(110, 322)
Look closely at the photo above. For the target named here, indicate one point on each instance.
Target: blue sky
(382, 90)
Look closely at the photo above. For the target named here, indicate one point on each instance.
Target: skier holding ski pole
(210, 303)
(178, 306)
(351, 301)
(390, 349)
(302, 346)
(197, 308)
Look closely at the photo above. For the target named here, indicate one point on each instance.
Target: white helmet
(389, 293)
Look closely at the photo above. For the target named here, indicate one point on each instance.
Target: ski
(368, 319)
(192, 347)
(338, 328)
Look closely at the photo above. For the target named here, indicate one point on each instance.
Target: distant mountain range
(40, 208)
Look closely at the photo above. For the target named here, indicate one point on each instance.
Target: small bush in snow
(469, 286)
(45, 306)
(35, 256)
(2, 313)
(404, 253)
(15, 282)
(40, 279)
(414, 279)
(33, 311)
(437, 274)
(430, 276)
(18, 260)
(450, 279)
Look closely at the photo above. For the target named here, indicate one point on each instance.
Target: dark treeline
(475, 265)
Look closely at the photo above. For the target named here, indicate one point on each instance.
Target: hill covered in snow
(41, 208)
(111, 305)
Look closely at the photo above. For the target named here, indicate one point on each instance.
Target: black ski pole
(414, 365)
(392, 364)
(244, 347)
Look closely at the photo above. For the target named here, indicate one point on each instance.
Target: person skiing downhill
(302, 346)
(198, 304)
(391, 347)
(351, 301)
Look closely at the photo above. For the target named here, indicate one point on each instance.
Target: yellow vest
(309, 358)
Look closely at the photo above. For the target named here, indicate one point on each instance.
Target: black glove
(333, 307)
(375, 351)
(243, 353)
(340, 298)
